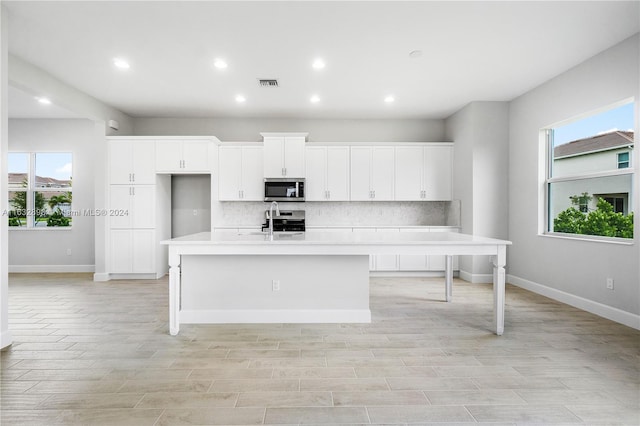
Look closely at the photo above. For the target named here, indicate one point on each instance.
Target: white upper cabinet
(424, 173)
(132, 162)
(372, 173)
(327, 173)
(284, 156)
(182, 156)
(438, 173)
(240, 173)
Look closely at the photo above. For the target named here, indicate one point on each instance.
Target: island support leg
(174, 295)
(448, 277)
(499, 262)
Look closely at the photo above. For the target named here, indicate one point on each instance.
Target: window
(623, 160)
(40, 189)
(589, 176)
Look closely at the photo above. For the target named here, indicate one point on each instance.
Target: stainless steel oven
(284, 189)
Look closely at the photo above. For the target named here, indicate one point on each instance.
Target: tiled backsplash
(391, 213)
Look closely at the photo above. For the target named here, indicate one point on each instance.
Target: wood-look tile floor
(100, 353)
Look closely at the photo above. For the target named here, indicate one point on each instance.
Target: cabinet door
(195, 156)
(438, 173)
(168, 156)
(120, 161)
(382, 173)
(372, 258)
(273, 157)
(252, 181)
(437, 262)
(143, 251)
(386, 262)
(143, 206)
(294, 157)
(408, 173)
(120, 205)
(337, 173)
(316, 169)
(413, 262)
(143, 162)
(229, 173)
(360, 173)
(120, 251)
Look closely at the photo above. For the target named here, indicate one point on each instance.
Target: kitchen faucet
(273, 203)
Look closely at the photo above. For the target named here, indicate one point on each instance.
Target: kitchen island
(301, 277)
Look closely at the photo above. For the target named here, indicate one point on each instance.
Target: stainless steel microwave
(284, 189)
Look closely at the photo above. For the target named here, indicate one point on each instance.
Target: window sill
(590, 238)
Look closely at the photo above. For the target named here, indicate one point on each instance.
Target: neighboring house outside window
(40, 189)
(590, 174)
(591, 155)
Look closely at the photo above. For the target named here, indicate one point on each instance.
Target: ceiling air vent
(268, 82)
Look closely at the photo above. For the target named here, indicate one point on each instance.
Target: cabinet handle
(133, 191)
(374, 194)
(328, 195)
(285, 171)
(241, 193)
(133, 177)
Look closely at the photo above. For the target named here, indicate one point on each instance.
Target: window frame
(627, 161)
(546, 138)
(31, 190)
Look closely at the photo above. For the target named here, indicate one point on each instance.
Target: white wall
(480, 132)
(46, 249)
(248, 129)
(570, 270)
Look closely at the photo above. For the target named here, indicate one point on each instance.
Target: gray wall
(480, 132)
(578, 268)
(248, 129)
(190, 204)
(49, 247)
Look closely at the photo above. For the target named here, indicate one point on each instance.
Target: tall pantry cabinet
(138, 201)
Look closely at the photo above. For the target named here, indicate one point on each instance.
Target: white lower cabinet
(372, 259)
(410, 262)
(133, 251)
(386, 262)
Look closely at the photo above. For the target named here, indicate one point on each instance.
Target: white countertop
(334, 238)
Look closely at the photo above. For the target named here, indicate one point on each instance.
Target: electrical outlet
(610, 283)
(195, 212)
(275, 285)
(68, 252)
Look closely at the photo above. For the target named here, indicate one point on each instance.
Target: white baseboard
(302, 316)
(5, 339)
(101, 276)
(608, 312)
(409, 273)
(22, 269)
(476, 278)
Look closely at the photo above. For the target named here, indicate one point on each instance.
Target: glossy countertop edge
(335, 238)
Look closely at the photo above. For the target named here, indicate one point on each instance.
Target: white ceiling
(471, 51)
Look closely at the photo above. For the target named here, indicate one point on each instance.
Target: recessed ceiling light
(44, 101)
(415, 53)
(220, 64)
(240, 99)
(315, 99)
(318, 64)
(121, 63)
(389, 99)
